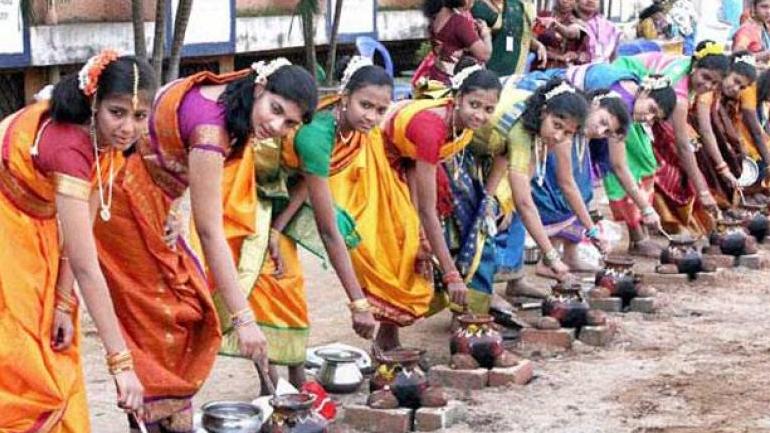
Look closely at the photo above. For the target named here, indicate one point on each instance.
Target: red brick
(720, 260)
(656, 279)
(461, 379)
(709, 278)
(751, 261)
(519, 374)
(596, 335)
(643, 305)
(554, 338)
(609, 305)
(371, 420)
(440, 418)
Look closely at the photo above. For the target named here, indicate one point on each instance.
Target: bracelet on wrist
(360, 305)
(592, 233)
(649, 210)
(242, 318)
(452, 277)
(550, 257)
(120, 362)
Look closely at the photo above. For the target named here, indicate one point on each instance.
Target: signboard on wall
(14, 40)
(359, 18)
(211, 29)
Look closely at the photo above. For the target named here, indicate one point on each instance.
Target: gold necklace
(104, 203)
(338, 128)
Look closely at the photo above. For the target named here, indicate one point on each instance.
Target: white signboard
(210, 21)
(357, 16)
(11, 27)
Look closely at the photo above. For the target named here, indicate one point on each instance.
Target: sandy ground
(698, 365)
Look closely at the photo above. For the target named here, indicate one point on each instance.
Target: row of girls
(417, 207)
(94, 186)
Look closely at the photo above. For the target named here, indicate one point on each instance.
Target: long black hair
(370, 75)
(291, 82)
(714, 62)
(665, 97)
(567, 105)
(70, 105)
(741, 67)
(431, 7)
(614, 105)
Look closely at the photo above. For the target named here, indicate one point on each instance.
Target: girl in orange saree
(162, 296)
(57, 165)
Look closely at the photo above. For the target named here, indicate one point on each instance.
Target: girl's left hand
(62, 331)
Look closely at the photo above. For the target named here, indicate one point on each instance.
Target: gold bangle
(360, 305)
(120, 362)
(63, 258)
(275, 231)
(64, 308)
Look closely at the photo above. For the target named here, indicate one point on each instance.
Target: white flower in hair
(264, 69)
(459, 78)
(355, 63)
(563, 87)
(608, 95)
(655, 83)
(748, 59)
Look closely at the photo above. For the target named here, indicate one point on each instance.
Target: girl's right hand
(651, 220)
(560, 269)
(458, 293)
(130, 392)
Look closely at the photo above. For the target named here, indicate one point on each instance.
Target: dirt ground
(698, 365)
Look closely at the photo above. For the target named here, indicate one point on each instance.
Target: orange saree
(161, 295)
(41, 391)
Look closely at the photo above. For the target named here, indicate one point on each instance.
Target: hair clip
(355, 63)
(562, 88)
(459, 78)
(711, 48)
(88, 77)
(608, 95)
(655, 83)
(264, 69)
(748, 59)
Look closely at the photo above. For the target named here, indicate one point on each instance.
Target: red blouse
(67, 149)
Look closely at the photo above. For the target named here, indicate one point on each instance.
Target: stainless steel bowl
(339, 372)
(231, 417)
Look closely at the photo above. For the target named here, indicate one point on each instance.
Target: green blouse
(314, 143)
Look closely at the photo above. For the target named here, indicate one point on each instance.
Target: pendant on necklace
(105, 214)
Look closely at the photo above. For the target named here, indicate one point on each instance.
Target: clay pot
(731, 237)
(618, 277)
(292, 413)
(755, 220)
(477, 337)
(398, 370)
(567, 306)
(682, 252)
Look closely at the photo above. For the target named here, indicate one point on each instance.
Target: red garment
(65, 148)
(558, 45)
(454, 38)
(428, 131)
